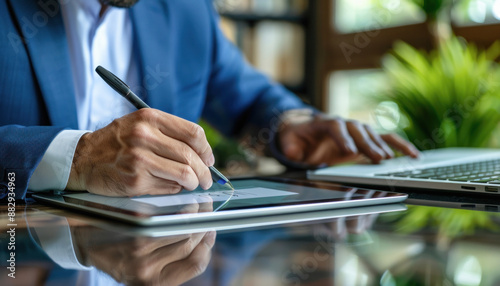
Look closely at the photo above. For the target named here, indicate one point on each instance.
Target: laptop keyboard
(477, 172)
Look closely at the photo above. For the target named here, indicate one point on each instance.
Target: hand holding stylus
(124, 90)
(145, 152)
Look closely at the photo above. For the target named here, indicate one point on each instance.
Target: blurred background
(426, 69)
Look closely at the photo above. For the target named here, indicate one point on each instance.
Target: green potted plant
(449, 97)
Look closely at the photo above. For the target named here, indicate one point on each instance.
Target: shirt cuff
(52, 173)
(57, 242)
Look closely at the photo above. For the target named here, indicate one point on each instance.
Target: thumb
(292, 148)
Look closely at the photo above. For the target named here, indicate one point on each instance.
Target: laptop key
(443, 177)
(422, 176)
(460, 179)
(482, 180)
(402, 174)
(479, 172)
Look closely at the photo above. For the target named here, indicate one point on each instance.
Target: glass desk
(434, 240)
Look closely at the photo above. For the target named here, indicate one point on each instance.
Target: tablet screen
(248, 193)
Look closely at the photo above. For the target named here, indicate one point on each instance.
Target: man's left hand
(328, 141)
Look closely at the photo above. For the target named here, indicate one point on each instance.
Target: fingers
(190, 208)
(148, 172)
(173, 149)
(146, 269)
(178, 141)
(168, 159)
(193, 265)
(364, 142)
(380, 142)
(145, 246)
(317, 157)
(292, 146)
(158, 186)
(185, 131)
(400, 144)
(176, 251)
(146, 152)
(354, 138)
(332, 141)
(338, 228)
(358, 224)
(339, 132)
(206, 204)
(185, 142)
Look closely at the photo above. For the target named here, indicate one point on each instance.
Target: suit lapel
(48, 50)
(152, 38)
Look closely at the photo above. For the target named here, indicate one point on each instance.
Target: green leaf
(449, 97)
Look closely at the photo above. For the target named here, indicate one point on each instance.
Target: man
(174, 56)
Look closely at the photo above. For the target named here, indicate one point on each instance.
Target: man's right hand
(145, 152)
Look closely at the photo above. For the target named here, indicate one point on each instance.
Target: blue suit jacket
(188, 69)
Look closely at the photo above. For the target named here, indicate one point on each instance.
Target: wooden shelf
(304, 18)
(297, 89)
(254, 18)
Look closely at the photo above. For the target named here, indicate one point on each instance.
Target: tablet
(251, 198)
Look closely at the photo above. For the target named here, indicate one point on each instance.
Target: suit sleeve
(21, 151)
(237, 94)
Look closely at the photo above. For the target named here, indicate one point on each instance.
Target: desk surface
(444, 240)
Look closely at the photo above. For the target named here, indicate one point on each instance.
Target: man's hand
(171, 260)
(145, 152)
(333, 141)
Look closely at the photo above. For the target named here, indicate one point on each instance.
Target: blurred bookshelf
(252, 19)
(356, 35)
(274, 37)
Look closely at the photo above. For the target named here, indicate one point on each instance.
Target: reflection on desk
(396, 248)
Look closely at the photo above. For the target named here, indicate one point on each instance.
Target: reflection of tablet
(252, 197)
(221, 226)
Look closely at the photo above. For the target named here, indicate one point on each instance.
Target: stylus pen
(124, 90)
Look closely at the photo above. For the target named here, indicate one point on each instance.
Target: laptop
(456, 169)
(251, 198)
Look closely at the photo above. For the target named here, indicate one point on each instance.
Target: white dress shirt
(93, 40)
